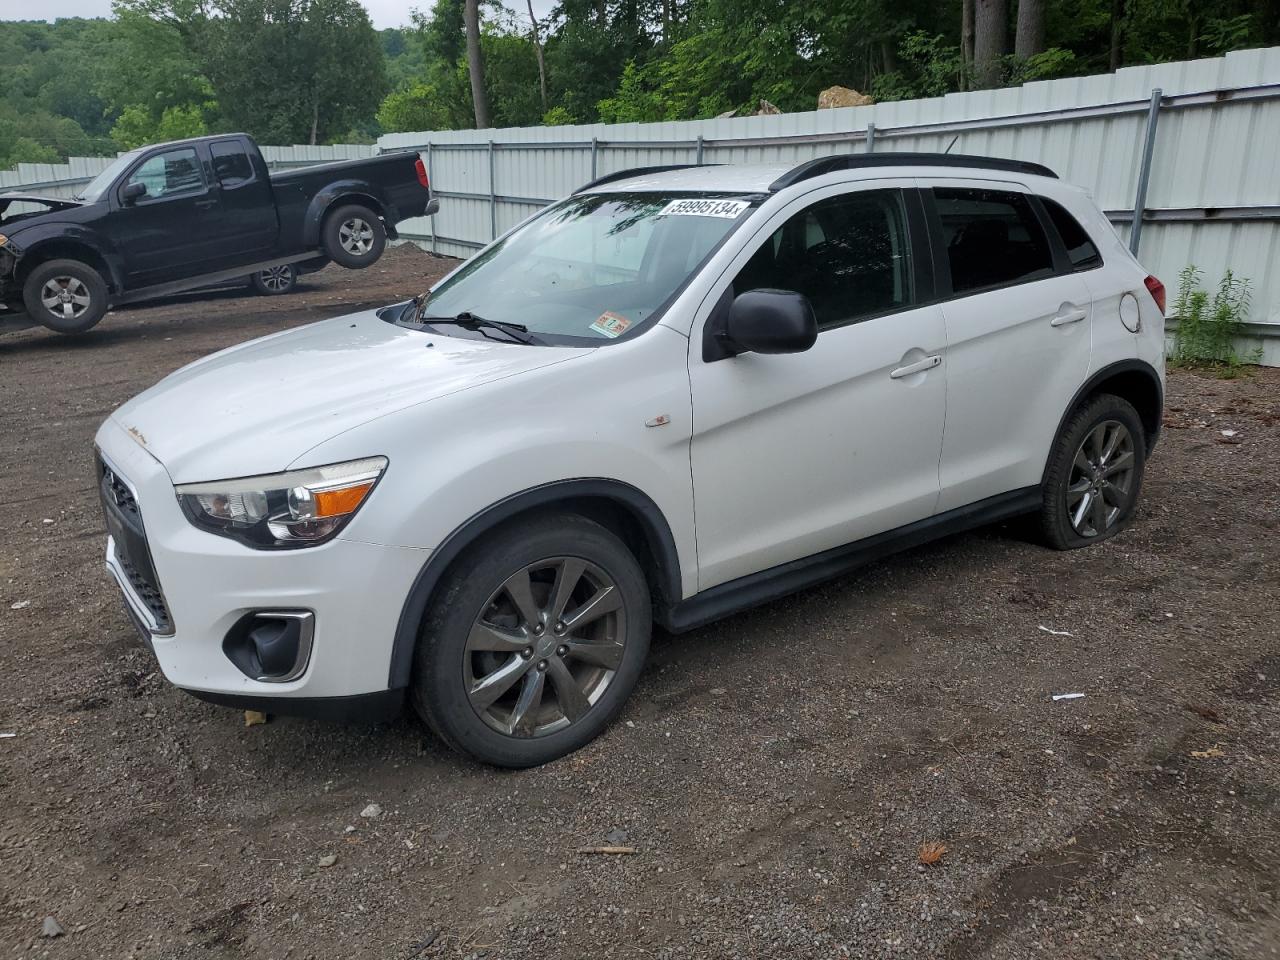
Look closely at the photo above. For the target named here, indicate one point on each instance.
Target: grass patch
(1208, 326)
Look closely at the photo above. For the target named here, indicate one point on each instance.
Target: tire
(1094, 476)
(353, 237)
(65, 295)
(276, 281)
(475, 642)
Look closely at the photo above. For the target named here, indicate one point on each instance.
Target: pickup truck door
(161, 233)
(245, 229)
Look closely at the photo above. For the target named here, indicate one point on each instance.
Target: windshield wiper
(517, 332)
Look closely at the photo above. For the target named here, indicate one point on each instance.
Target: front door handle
(204, 204)
(1072, 315)
(920, 366)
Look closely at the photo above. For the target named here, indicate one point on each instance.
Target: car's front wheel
(535, 640)
(65, 295)
(1094, 476)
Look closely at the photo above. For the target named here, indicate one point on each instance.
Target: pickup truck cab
(176, 216)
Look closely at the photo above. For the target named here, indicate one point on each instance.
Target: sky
(384, 13)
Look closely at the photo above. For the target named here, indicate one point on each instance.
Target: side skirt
(757, 588)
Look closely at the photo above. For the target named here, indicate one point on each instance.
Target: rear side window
(992, 238)
(230, 163)
(1080, 249)
(847, 254)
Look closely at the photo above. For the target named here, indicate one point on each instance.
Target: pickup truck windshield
(99, 184)
(590, 268)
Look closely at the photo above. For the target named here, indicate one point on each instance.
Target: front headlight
(284, 510)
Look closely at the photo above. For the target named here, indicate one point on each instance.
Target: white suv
(677, 393)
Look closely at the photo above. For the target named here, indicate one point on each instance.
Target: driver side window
(169, 173)
(848, 254)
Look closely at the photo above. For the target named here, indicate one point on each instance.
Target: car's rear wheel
(534, 642)
(353, 236)
(1091, 487)
(275, 281)
(65, 295)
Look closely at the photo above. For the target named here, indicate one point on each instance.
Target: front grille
(132, 554)
(120, 493)
(148, 592)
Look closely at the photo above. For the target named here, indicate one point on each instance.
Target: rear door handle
(1074, 315)
(920, 366)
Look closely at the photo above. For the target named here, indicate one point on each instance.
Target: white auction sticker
(728, 209)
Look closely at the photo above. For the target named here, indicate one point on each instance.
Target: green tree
(286, 71)
(297, 70)
(151, 63)
(137, 127)
(26, 150)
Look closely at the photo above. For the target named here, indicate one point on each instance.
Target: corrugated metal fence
(1209, 191)
(1195, 146)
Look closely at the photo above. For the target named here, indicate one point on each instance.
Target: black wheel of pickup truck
(353, 236)
(65, 295)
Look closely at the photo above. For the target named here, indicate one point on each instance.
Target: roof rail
(637, 171)
(853, 161)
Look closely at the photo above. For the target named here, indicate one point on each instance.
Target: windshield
(591, 268)
(99, 184)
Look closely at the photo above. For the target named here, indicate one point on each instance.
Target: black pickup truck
(188, 214)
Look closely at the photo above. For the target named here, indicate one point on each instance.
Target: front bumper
(384, 705)
(10, 293)
(201, 584)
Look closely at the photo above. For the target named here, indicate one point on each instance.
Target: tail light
(1156, 289)
(422, 173)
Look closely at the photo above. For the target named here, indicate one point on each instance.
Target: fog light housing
(271, 646)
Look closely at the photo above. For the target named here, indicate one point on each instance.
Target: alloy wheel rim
(277, 278)
(65, 297)
(1101, 479)
(356, 236)
(545, 647)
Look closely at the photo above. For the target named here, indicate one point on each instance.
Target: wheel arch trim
(1106, 373)
(73, 244)
(333, 196)
(634, 502)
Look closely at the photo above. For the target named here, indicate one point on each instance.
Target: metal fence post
(595, 153)
(493, 196)
(1144, 172)
(700, 148)
(871, 137)
(431, 180)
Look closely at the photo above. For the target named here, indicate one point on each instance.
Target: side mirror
(771, 321)
(133, 192)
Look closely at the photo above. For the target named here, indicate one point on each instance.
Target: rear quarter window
(1081, 250)
(231, 165)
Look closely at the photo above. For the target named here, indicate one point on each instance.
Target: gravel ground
(777, 773)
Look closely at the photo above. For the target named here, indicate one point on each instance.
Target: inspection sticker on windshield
(610, 324)
(728, 209)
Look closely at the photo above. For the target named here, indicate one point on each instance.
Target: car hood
(53, 203)
(259, 407)
(16, 213)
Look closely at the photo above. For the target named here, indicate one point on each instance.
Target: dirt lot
(777, 772)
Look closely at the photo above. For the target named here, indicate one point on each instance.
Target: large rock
(833, 97)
